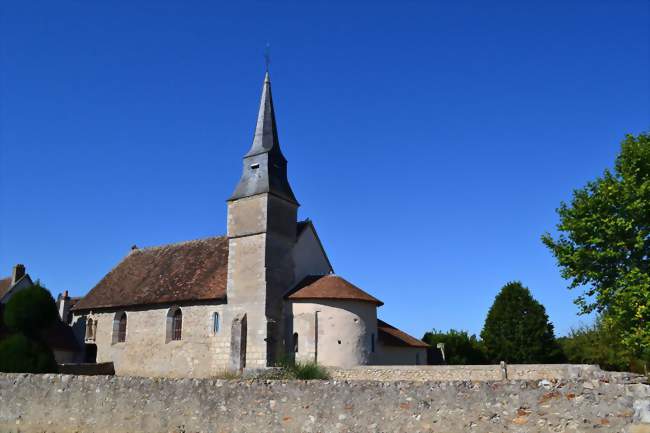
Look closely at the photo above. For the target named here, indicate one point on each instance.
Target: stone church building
(263, 292)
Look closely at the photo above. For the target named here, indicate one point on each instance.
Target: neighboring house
(18, 280)
(58, 337)
(263, 292)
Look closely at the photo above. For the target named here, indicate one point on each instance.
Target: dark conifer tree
(517, 329)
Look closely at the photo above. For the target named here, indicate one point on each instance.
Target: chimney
(18, 273)
(64, 307)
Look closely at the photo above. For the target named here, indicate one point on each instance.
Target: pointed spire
(266, 131)
(265, 168)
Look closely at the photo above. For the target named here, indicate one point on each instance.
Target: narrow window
(90, 329)
(121, 329)
(372, 343)
(255, 166)
(177, 324)
(295, 342)
(215, 323)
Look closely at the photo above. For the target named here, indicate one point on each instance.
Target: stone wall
(345, 329)
(66, 404)
(471, 372)
(147, 351)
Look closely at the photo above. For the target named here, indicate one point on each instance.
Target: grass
(289, 370)
(308, 371)
(284, 370)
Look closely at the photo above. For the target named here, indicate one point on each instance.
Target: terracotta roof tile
(187, 271)
(391, 336)
(5, 284)
(329, 287)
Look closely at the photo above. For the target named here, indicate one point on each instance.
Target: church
(264, 292)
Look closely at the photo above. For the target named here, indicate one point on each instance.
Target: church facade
(264, 292)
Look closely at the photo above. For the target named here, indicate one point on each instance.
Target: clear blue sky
(430, 142)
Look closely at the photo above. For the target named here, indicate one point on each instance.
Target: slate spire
(265, 168)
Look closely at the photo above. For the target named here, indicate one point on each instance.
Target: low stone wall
(473, 372)
(112, 404)
(88, 369)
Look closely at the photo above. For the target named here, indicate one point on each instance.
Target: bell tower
(262, 216)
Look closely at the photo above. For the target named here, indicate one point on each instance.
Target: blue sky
(430, 142)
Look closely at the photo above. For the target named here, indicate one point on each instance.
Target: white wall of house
(399, 355)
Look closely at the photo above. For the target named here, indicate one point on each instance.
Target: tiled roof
(187, 271)
(60, 336)
(329, 287)
(5, 285)
(391, 336)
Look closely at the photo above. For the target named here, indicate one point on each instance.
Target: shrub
(288, 369)
(30, 311)
(517, 329)
(460, 347)
(19, 354)
(309, 371)
(599, 344)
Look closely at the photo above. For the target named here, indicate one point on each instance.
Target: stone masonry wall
(66, 404)
(471, 372)
(146, 351)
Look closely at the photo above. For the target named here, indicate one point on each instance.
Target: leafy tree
(603, 245)
(27, 314)
(460, 347)
(598, 344)
(30, 311)
(517, 329)
(19, 354)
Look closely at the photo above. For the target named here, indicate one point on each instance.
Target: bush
(30, 311)
(19, 354)
(287, 369)
(517, 329)
(460, 347)
(309, 371)
(599, 344)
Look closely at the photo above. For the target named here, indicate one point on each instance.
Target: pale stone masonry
(265, 292)
(109, 404)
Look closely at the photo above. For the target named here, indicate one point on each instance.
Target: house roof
(391, 336)
(60, 336)
(329, 287)
(187, 271)
(5, 285)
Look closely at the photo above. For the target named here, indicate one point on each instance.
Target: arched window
(119, 327)
(90, 329)
(177, 324)
(215, 322)
(295, 342)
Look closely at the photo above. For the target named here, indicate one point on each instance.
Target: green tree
(517, 329)
(598, 344)
(19, 354)
(30, 311)
(27, 314)
(603, 245)
(460, 347)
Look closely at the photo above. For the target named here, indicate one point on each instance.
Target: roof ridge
(176, 244)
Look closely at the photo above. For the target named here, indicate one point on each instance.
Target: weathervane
(267, 56)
